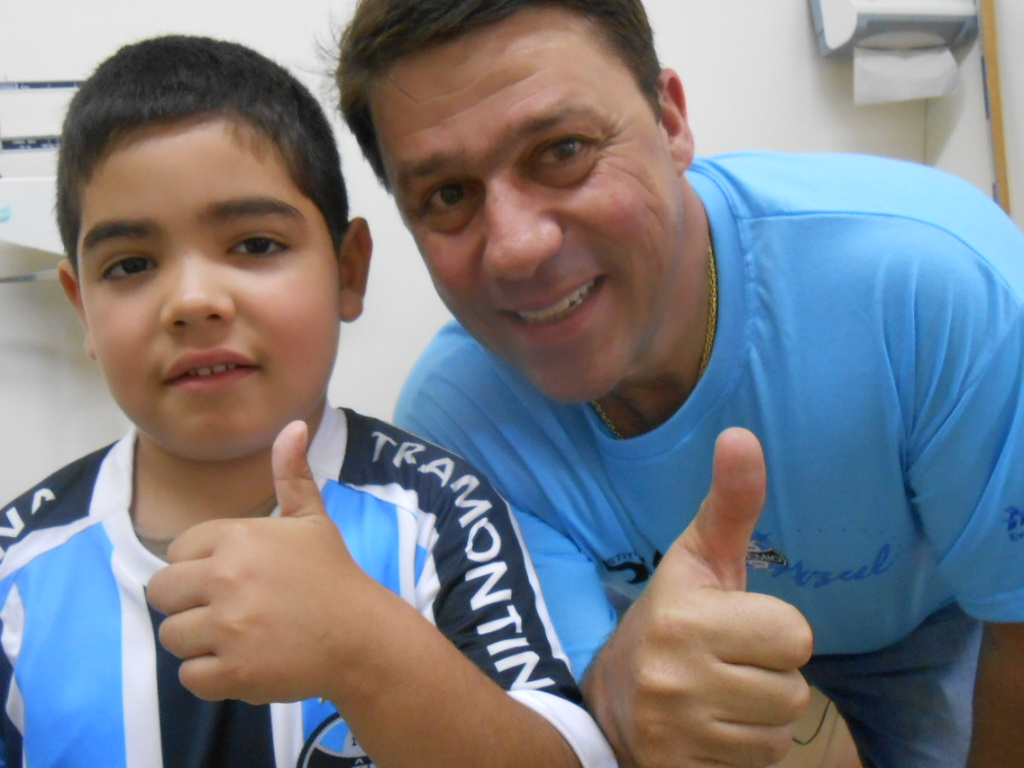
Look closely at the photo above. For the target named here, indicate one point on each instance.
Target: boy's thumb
(297, 492)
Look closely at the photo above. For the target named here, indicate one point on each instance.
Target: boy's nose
(521, 233)
(196, 293)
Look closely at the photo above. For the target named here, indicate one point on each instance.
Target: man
(623, 304)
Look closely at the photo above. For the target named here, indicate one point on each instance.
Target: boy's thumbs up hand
(253, 604)
(699, 671)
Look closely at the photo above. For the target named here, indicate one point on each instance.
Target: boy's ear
(354, 268)
(73, 290)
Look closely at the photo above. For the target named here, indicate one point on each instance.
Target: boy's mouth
(200, 372)
(198, 368)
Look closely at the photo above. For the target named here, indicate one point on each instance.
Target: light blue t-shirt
(870, 333)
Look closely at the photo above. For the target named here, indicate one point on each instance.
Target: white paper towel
(901, 75)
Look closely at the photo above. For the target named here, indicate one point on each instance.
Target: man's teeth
(213, 370)
(559, 310)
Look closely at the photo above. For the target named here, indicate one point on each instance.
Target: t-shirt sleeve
(442, 403)
(959, 365)
(427, 524)
(576, 599)
(968, 484)
(488, 602)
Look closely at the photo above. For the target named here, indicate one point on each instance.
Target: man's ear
(73, 290)
(673, 118)
(354, 269)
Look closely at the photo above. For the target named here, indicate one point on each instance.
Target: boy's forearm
(412, 699)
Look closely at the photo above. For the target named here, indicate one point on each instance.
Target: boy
(210, 257)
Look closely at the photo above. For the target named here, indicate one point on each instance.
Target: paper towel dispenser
(892, 24)
(30, 245)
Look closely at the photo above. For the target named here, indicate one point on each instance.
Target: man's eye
(127, 267)
(258, 246)
(565, 162)
(450, 206)
(565, 149)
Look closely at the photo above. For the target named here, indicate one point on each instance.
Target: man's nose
(522, 232)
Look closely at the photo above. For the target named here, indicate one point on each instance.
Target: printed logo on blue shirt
(632, 567)
(333, 745)
(805, 576)
(761, 556)
(1015, 523)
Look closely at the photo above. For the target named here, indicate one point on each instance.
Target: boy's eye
(258, 246)
(451, 194)
(127, 267)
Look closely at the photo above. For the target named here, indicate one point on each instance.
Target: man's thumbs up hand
(699, 671)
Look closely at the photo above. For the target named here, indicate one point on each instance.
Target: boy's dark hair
(165, 80)
(383, 31)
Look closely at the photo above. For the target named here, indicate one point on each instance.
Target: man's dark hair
(170, 79)
(383, 31)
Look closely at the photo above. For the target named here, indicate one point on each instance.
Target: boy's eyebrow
(251, 206)
(223, 211)
(111, 230)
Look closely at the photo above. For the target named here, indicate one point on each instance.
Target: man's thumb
(719, 535)
(297, 492)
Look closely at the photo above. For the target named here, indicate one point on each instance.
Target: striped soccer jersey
(87, 683)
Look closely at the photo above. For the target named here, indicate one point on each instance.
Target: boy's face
(210, 289)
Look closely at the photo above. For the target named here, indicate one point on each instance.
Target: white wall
(1011, 32)
(753, 76)
(957, 135)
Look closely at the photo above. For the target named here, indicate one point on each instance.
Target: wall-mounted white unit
(29, 242)
(892, 24)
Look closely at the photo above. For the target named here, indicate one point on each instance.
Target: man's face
(546, 198)
(210, 289)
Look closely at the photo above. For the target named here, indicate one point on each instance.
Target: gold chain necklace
(709, 339)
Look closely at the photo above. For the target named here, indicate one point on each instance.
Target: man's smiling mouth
(558, 310)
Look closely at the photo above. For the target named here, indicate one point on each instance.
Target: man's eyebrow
(246, 207)
(116, 229)
(432, 164)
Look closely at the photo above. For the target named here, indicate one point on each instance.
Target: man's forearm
(998, 740)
